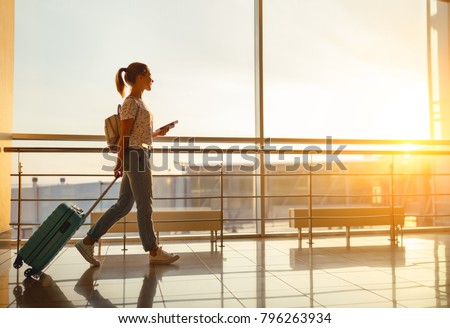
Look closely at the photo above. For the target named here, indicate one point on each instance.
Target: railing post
(310, 204)
(393, 236)
(19, 204)
(221, 206)
(124, 249)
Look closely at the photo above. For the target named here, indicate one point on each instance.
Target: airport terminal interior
(309, 167)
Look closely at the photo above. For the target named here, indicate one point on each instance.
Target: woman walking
(133, 165)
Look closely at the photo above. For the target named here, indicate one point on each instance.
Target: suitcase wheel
(31, 273)
(27, 273)
(18, 263)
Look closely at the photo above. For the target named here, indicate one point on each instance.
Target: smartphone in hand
(170, 125)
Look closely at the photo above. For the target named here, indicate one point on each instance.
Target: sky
(340, 68)
(354, 69)
(330, 63)
(67, 54)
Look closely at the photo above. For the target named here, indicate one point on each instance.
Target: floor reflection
(269, 273)
(88, 283)
(45, 292)
(42, 293)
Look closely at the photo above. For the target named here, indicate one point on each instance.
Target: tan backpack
(112, 130)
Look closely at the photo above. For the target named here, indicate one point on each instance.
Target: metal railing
(303, 171)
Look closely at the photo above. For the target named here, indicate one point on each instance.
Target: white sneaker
(87, 251)
(162, 257)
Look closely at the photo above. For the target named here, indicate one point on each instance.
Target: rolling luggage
(52, 235)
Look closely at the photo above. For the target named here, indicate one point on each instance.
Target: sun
(407, 114)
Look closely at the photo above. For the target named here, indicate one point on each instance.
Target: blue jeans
(137, 185)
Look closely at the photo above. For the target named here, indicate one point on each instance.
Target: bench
(347, 217)
(169, 221)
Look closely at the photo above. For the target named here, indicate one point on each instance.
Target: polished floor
(245, 273)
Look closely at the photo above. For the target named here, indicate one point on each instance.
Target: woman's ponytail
(120, 84)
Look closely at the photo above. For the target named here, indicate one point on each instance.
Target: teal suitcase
(48, 240)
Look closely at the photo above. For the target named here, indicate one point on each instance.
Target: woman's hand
(161, 131)
(118, 170)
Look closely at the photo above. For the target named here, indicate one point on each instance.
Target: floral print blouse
(142, 130)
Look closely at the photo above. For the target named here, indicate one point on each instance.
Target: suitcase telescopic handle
(101, 197)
